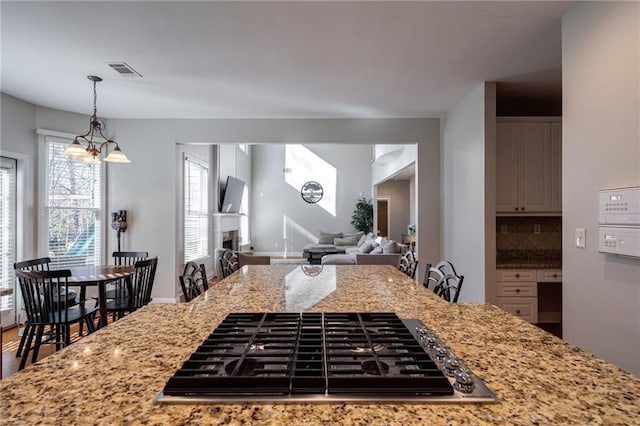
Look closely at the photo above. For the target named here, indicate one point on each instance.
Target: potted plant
(362, 218)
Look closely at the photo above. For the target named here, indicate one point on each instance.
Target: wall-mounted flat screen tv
(232, 195)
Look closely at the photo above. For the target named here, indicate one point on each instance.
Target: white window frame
(46, 136)
(203, 251)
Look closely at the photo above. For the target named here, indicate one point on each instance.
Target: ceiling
(276, 59)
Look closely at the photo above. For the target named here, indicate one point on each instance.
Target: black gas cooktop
(317, 357)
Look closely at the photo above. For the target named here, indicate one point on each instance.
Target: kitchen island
(112, 376)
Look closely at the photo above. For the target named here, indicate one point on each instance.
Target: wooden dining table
(100, 276)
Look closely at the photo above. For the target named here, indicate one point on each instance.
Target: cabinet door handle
(517, 275)
(522, 208)
(517, 290)
(555, 275)
(518, 311)
(515, 208)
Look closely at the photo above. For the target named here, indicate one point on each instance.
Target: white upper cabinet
(528, 161)
(556, 166)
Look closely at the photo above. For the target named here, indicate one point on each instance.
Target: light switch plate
(580, 237)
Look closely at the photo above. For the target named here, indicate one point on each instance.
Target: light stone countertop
(112, 376)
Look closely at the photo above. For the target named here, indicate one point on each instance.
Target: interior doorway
(383, 217)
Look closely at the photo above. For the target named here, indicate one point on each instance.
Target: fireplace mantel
(226, 222)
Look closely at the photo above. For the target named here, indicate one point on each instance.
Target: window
(73, 208)
(196, 209)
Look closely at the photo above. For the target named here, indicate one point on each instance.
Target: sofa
(354, 249)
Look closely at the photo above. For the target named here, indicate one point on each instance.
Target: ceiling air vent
(124, 69)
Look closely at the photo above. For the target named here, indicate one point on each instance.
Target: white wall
(601, 148)
(17, 137)
(467, 191)
(282, 222)
(398, 193)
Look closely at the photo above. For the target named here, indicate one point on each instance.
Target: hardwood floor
(10, 342)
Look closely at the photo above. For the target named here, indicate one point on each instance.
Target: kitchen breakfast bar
(113, 375)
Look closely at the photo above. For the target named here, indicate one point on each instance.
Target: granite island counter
(112, 376)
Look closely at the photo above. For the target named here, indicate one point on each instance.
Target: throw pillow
(355, 234)
(390, 246)
(349, 241)
(362, 240)
(377, 250)
(326, 238)
(367, 247)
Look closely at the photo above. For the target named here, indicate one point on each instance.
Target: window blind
(196, 209)
(73, 207)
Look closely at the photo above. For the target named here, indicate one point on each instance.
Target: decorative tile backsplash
(528, 237)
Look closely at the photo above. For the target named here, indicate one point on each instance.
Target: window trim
(44, 136)
(207, 213)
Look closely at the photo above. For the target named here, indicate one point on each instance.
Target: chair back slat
(444, 280)
(128, 257)
(44, 295)
(193, 278)
(229, 263)
(449, 287)
(408, 264)
(142, 284)
(40, 264)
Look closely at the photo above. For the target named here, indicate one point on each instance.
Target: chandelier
(85, 149)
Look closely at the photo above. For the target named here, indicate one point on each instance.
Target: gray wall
(601, 148)
(148, 187)
(399, 195)
(467, 191)
(281, 221)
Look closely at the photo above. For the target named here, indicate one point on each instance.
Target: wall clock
(311, 192)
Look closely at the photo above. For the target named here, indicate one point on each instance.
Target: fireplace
(226, 235)
(231, 240)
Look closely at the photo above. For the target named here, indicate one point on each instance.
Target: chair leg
(90, 324)
(27, 348)
(37, 343)
(23, 339)
(67, 334)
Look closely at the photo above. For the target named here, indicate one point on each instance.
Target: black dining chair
(139, 292)
(434, 274)
(124, 258)
(118, 288)
(193, 280)
(229, 263)
(40, 264)
(449, 286)
(44, 307)
(408, 264)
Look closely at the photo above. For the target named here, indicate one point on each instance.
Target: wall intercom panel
(620, 206)
(619, 221)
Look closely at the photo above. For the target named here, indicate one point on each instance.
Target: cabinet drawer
(522, 307)
(516, 275)
(550, 275)
(517, 289)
